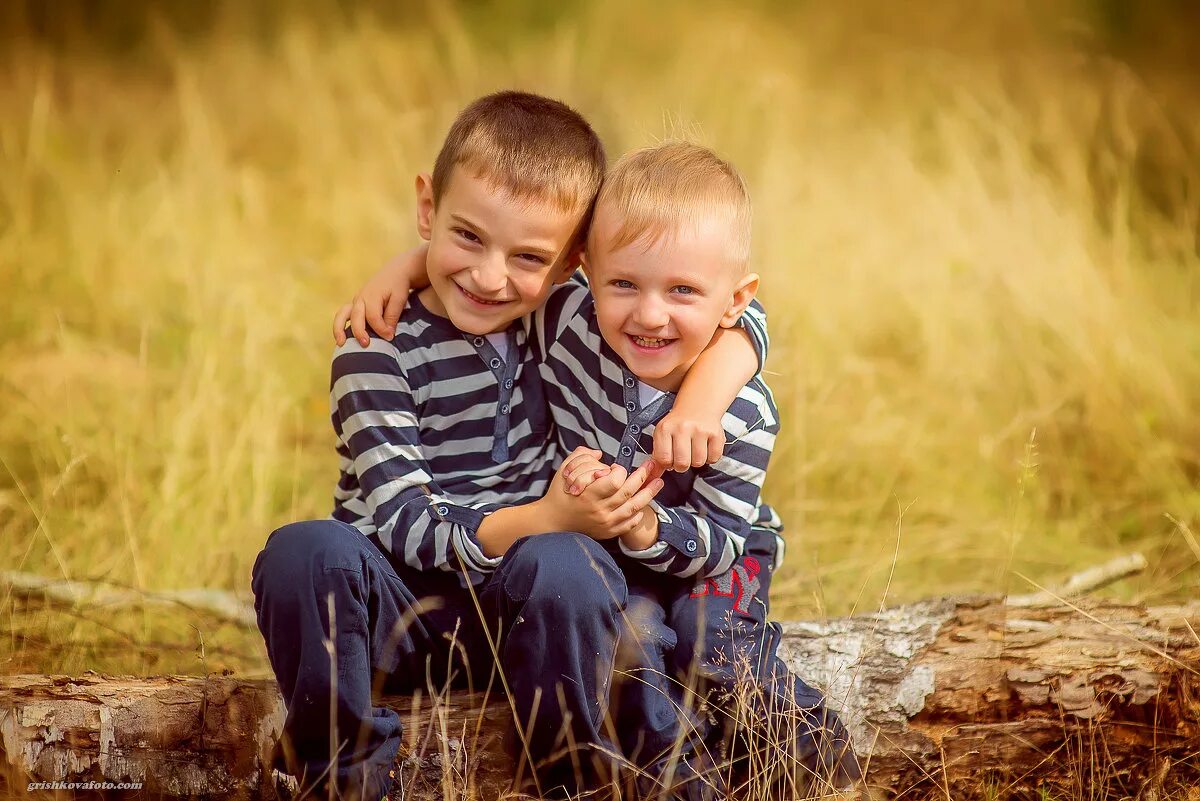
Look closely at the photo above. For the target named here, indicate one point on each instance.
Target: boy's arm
(691, 435)
(702, 537)
(375, 418)
(382, 299)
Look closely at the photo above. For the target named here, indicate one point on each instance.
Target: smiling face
(492, 257)
(659, 303)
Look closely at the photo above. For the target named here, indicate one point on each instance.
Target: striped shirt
(435, 430)
(706, 514)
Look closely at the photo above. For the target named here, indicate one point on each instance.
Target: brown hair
(533, 147)
(657, 190)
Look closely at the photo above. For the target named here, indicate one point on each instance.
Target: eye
(465, 234)
(621, 283)
(532, 258)
(684, 290)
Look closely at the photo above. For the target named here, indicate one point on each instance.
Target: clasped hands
(606, 501)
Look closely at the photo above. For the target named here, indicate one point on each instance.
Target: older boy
(666, 260)
(445, 466)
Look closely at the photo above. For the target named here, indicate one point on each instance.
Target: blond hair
(531, 146)
(657, 191)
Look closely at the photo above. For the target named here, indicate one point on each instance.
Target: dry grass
(977, 234)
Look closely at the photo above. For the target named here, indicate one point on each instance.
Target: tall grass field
(977, 228)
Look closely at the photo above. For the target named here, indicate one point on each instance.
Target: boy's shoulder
(422, 341)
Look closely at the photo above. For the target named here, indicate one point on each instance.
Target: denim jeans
(343, 621)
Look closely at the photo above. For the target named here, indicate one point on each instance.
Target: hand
(381, 300)
(681, 441)
(610, 507)
(579, 471)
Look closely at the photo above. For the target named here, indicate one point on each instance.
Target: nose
(491, 275)
(650, 312)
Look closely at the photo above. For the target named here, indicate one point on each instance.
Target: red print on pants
(739, 582)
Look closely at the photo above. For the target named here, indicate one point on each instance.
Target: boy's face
(658, 307)
(492, 257)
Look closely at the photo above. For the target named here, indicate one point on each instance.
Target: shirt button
(504, 409)
(690, 545)
(631, 406)
(495, 363)
(626, 450)
(508, 383)
(629, 382)
(478, 342)
(633, 429)
(442, 510)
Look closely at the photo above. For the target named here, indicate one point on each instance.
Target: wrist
(548, 514)
(645, 535)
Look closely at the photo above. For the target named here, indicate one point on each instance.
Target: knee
(567, 571)
(299, 551)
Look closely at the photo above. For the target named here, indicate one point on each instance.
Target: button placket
(504, 371)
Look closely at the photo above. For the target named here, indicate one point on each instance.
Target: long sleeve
(376, 421)
(702, 536)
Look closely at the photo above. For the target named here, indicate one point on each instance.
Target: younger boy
(428, 568)
(666, 261)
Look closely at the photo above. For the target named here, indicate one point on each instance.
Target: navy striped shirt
(706, 514)
(434, 431)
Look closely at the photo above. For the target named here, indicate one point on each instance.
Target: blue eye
(685, 290)
(621, 283)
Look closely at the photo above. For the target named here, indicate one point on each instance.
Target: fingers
(607, 485)
(699, 449)
(339, 324)
(391, 314)
(653, 470)
(632, 484)
(574, 461)
(640, 500)
(581, 472)
(374, 316)
(358, 321)
(681, 452)
(662, 446)
(716, 447)
(585, 479)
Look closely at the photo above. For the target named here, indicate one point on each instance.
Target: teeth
(648, 342)
(481, 300)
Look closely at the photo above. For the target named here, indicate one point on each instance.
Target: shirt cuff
(466, 544)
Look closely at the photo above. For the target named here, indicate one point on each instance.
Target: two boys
(449, 489)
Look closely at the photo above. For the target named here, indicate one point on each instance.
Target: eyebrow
(461, 220)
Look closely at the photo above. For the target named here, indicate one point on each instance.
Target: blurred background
(977, 226)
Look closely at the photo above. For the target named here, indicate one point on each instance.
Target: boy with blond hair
(667, 265)
(453, 545)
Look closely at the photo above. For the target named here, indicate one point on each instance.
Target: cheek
(443, 259)
(530, 284)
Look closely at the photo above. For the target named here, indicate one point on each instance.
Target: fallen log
(937, 694)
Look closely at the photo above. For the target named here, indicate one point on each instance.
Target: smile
(479, 300)
(650, 344)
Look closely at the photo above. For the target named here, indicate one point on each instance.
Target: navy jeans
(720, 650)
(556, 601)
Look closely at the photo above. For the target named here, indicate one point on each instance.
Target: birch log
(937, 694)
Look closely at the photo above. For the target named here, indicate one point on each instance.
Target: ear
(573, 259)
(424, 187)
(743, 292)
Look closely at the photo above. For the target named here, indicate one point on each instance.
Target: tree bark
(936, 694)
